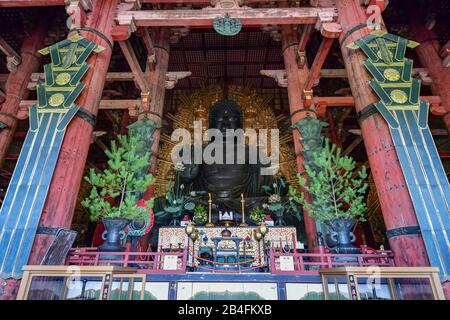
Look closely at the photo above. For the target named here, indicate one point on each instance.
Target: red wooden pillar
(62, 195)
(16, 87)
(157, 81)
(428, 55)
(296, 83)
(395, 202)
(446, 288)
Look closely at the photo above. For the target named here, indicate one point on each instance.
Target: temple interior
(206, 76)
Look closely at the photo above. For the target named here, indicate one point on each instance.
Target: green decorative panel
(55, 108)
(311, 137)
(407, 116)
(312, 143)
(227, 26)
(144, 129)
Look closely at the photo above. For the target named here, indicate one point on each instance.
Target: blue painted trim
(429, 196)
(247, 277)
(282, 295)
(173, 289)
(26, 194)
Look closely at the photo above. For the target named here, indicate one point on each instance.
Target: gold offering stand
(243, 224)
(209, 224)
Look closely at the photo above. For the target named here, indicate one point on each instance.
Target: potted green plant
(200, 214)
(177, 202)
(257, 215)
(337, 192)
(277, 204)
(115, 191)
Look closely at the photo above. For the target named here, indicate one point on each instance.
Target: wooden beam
(439, 132)
(318, 62)
(207, 2)
(133, 62)
(205, 17)
(148, 42)
(130, 104)
(31, 3)
(323, 102)
(348, 101)
(445, 51)
(352, 145)
(2, 96)
(324, 73)
(444, 154)
(278, 75)
(304, 38)
(40, 3)
(12, 57)
(100, 143)
(172, 78)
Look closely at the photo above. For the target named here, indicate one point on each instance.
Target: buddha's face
(224, 119)
(189, 173)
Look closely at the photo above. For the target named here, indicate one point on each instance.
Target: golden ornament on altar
(62, 78)
(399, 96)
(391, 74)
(201, 113)
(56, 99)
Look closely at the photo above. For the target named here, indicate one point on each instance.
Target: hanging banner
(27, 191)
(407, 117)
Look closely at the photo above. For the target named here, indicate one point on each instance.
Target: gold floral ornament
(391, 74)
(399, 96)
(56, 99)
(62, 79)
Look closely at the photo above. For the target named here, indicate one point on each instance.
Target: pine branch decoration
(337, 191)
(115, 191)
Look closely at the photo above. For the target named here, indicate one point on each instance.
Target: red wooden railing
(310, 263)
(148, 262)
(302, 263)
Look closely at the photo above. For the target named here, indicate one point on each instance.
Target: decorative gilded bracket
(49, 118)
(407, 117)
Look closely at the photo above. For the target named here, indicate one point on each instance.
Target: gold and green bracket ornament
(55, 108)
(407, 117)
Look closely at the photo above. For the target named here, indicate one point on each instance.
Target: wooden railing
(296, 263)
(310, 263)
(146, 262)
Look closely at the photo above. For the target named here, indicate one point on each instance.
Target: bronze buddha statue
(227, 180)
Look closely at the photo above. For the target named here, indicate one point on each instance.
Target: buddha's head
(224, 115)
